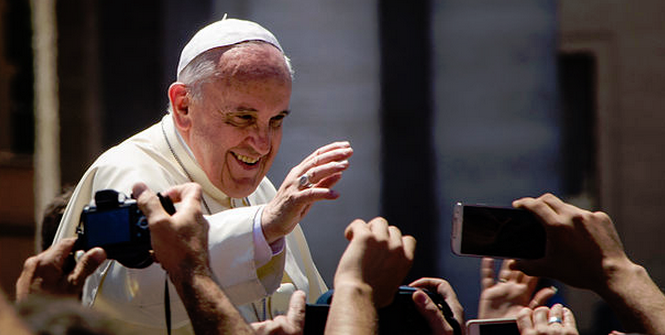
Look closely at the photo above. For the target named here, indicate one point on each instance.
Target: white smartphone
(499, 232)
(492, 327)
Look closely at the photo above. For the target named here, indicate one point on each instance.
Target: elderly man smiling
(223, 130)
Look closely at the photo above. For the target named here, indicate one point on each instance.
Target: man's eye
(277, 121)
(244, 118)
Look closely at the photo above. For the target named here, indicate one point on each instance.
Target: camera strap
(167, 305)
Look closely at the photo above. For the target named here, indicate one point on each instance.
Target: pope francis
(222, 131)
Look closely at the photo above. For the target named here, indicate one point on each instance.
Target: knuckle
(31, 262)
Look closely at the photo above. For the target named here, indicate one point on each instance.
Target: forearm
(352, 311)
(638, 302)
(209, 310)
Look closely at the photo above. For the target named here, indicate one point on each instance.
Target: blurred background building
(443, 101)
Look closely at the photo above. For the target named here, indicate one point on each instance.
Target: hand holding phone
(500, 232)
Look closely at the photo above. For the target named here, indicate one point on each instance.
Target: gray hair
(203, 69)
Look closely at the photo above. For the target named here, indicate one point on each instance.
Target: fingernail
(334, 193)
(556, 290)
(343, 163)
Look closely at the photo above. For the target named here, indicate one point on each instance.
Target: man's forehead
(225, 32)
(253, 61)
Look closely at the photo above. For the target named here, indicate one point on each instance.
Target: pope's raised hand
(310, 181)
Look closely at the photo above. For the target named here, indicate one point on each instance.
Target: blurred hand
(180, 242)
(537, 322)
(582, 249)
(323, 169)
(378, 257)
(48, 271)
(292, 323)
(505, 297)
(430, 311)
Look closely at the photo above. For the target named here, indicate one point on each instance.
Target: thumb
(296, 313)
(541, 297)
(431, 313)
(86, 265)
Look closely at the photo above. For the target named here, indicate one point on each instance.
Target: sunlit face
(236, 125)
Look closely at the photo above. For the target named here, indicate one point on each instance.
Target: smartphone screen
(498, 232)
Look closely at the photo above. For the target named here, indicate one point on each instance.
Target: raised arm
(180, 243)
(371, 269)
(584, 250)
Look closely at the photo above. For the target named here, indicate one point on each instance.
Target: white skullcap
(224, 33)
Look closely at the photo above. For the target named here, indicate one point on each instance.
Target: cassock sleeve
(137, 295)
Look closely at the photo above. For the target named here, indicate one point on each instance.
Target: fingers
(147, 200)
(524, 321)
(379, 227)
(543, 320)
(85, 266)
(431, 313)
(335, 151)
(409, 243)
(541, 297)
(354, 227)
(321, 172)
(542, 209)
(569, 318)
(505, 273)
(486, 273)
(381, 231)
(325, 162)
(296, 313)
(556, 312)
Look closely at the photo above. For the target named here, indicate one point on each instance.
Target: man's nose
(261, 140)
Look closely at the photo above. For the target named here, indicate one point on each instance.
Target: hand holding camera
(116, 224)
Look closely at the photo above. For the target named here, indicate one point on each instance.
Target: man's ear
(180, 102)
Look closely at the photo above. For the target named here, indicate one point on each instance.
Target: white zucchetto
(223, 33)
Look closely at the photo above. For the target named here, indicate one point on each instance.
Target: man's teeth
(245, 159)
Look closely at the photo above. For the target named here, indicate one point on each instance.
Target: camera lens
(143, 222)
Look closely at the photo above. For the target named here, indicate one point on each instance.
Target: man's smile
(245, 159)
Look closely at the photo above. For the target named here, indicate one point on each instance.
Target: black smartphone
(499, 232)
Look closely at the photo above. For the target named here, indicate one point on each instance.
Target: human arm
(180, 243)
(51, 272)
(514, 290)
(585, 251)
(323, 169)
(430, 311)
(537, 321)
(361, 284)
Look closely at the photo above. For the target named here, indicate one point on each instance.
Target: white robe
(136, 296)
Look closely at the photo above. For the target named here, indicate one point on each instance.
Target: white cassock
(157, 157)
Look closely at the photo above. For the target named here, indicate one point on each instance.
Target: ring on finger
(554, 319)
(303, 181)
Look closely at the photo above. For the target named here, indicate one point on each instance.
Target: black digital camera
(116, 224)
(399, 318)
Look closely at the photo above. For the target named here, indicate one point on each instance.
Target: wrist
(353, 287)
(189, 275)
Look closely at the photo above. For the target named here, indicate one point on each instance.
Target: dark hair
(53, 215)
(51, 315)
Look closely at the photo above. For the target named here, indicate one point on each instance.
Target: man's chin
(241, 189)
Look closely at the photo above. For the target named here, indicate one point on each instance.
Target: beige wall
(628, 39)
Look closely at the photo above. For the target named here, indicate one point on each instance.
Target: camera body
(116, 224)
